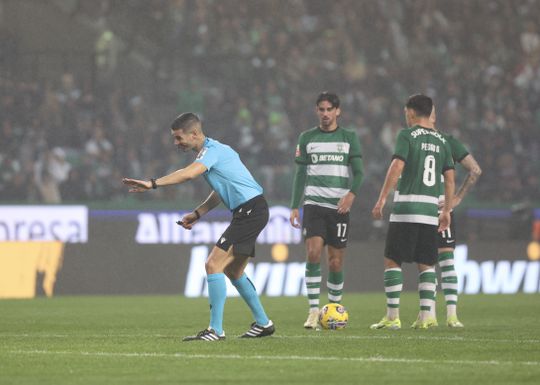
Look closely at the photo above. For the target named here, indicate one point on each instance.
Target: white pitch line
(277, 358)
(320, 335)
(427, 338)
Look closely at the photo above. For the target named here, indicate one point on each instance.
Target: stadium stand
(253, 69)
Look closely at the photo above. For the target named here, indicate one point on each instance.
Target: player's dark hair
(185, 121)
(421, 104)
(328, 97)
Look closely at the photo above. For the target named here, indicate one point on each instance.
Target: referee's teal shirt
(226, 174)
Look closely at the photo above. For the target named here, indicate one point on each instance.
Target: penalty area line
(372, 359)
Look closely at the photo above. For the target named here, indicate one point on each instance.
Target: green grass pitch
(137, 340)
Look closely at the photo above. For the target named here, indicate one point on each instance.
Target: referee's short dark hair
(185, 121)
(328, 97)
(421, 104)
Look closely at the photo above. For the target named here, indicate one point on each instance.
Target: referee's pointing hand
(137, 185)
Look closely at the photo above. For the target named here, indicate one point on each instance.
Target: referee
(232, 184)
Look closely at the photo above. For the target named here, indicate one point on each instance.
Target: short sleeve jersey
(226, 174)
(427, 154)
(327, 156)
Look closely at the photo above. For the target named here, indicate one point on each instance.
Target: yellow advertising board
(32, 240)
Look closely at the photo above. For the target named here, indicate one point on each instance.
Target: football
(333, 316)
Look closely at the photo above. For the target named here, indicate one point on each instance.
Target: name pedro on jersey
(430, 147)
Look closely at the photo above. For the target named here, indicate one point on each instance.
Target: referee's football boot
(257, 331)
(205, 335)
(385, 323)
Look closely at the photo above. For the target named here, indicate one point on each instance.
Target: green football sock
(393, 284)
(449, 282)
(335, 286)
(313, 283)
(426, 289)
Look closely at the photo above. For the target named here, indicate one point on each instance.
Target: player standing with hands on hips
(447, 238)
(233, 185)
(421, 155)
(323, 156)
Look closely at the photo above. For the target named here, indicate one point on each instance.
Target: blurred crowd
(253, 70)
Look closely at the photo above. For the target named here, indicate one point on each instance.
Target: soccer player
(421, 155)
(447, 238)
(323, 156)
(233, 185)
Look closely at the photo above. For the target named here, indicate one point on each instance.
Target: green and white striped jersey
(427, 154)
(327, 156)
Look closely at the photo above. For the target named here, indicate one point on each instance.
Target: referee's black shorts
(249, 219)
(412, 242)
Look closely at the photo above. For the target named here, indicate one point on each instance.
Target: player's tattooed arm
(471, 165)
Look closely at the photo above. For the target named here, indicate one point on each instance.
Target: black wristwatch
(153, 181)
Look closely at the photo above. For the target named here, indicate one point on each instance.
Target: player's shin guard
(426, 289)
(217, 294)
(247, 290)
(449, 282)
(393, 284)
(335, 286)
(313, 283)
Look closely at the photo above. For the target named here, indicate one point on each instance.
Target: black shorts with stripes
(249, 219)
